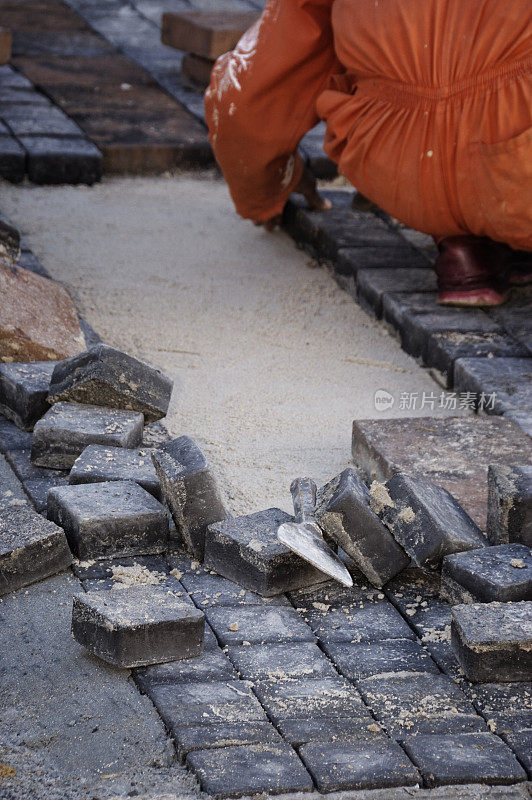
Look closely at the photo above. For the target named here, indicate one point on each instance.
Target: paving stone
(206, 34)
(23, 391)
(211, 666)
(464, 758)
(19, 461)
(10, 78)
(277, 661)
(38, 120)
(104, 376)
(514, 316)
(10, 95)
(372, 623)
(6, 40)
(12, 159)
(507, 707)
(121, 573)
(190, 489)
(431, 622)
(306, 698)
(31, 548)
(109, 519)
(341, 766)
(372, 284)
(236, 771)
(523, 419)
(189, 738)
(510, 504)
(12, 494)
(326, 729)
(333, 595)
(246, 550)
(196, 70)
(68, 428)
(443, 655)
(444, 348)
(257, 625)
(205, 703)
(493, 641)
(344, 513)
(38, 320)
(98, 463)
(502, 573)
(212, 590)
(138, 626)
(509, 379)
(350, 260)
(425, 519)
(357, 661)
(440, 450)
(37, 490)
(57, 160)
(521, 744)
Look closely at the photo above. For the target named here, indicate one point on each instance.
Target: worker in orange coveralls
(428, 105)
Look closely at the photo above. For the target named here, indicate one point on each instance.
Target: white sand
(271, 360)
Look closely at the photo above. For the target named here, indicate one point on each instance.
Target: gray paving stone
(68, 428)
(23, 391)
(138, 626)
(20, 462)
(350, 260)
(190, 489)
(493, 641)
(98, 463)
(103, 520)
(11, 438)
(210, 702)
(280, 662)
(120, 573)
(306, 698)
(507, 707)
(326, 729)
(510, 379)
(443, 655)
(37, 490)
(514, 316)
(444, 348)
(373, 283)
(16, 95)
(502, 573)
(12, 494)
(258, 625)
(31, 548)
(12, 159)
(344, 513)
(358, 661)
(246, 550)
(39, 120)
(211, 666)
(332, 595)
(523, 419)
(212, 590)
(426, 520)
(521, 744)
(236, 771)
(57, 160)
(431, 622)
(104, 376)
(464, 758)
(10, 78)
(188, 738)
(510, 504)
(371, 623)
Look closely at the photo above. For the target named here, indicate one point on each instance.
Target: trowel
(304, 537)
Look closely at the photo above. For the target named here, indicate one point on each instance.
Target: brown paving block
(454, 453)
(84, 71)
(206, 34)
(6, 40)
(197, 70)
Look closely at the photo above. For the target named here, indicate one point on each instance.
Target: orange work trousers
(428, 108)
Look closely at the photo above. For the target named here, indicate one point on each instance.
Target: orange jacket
(428, 109)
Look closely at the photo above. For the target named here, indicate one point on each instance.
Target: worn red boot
(472, 271)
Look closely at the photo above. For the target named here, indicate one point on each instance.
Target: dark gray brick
(493, 641)
(258, 625)
(11, 438)
(58, 160)
(306, 698)
(104, 376)
(375, 764)
(358, 661)
(464, 758)
(371, 623)
(37, 490)
(39, 120)
(431, 622)
(416, 329)
(190, 489)
(17, 95)
(424, 316)
(332, 595)
(502, 573)
(507, 707)
(98, 463)
(211, 666)
(143, 625)
(350, 260)
(210, 702)
(23, 391)
(444, 348)
(12, 494)
(212, 590)
(256, 769)
(68, 428)
(328, 729)
(246, 550)
(510, 504)
(31, 548)
(279, 661)
(9, 77)
(521, 744)
(188, 738)
(373, 283)
(103, 520)
(21, 464)
(12, 160)
(510, 379)
(523, 419)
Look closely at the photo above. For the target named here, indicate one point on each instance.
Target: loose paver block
(38, 320)
(104, 376)
(23, 391)
(306, 698)
(344, 512)
(279, 661)
(464, 758)
(328, 729)
(508, 380)
(205, 34)
(211, 665)
(188, 738)
(453, 452)
(493, 641)
(11, 492)
(365, 660)
(197, 70)
(510, 504)
(31, 548)
(371, 623)
(39, 120)
(258, 625)
(68, 428)
(103, 520)
(57, 160)
(235, 771)
(443, 348)
(12, 159)
(207, 590)
(501, 573)
(190, 489)
(425, 519)
(374, 764)
(137, 626)
(246, 550)
(98, 463)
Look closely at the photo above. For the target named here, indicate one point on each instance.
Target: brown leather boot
(472, 271)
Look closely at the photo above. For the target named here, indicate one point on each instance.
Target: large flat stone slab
(454, 453)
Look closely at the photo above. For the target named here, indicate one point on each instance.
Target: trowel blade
(306, 539)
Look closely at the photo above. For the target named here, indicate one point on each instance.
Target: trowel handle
(304, 496)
